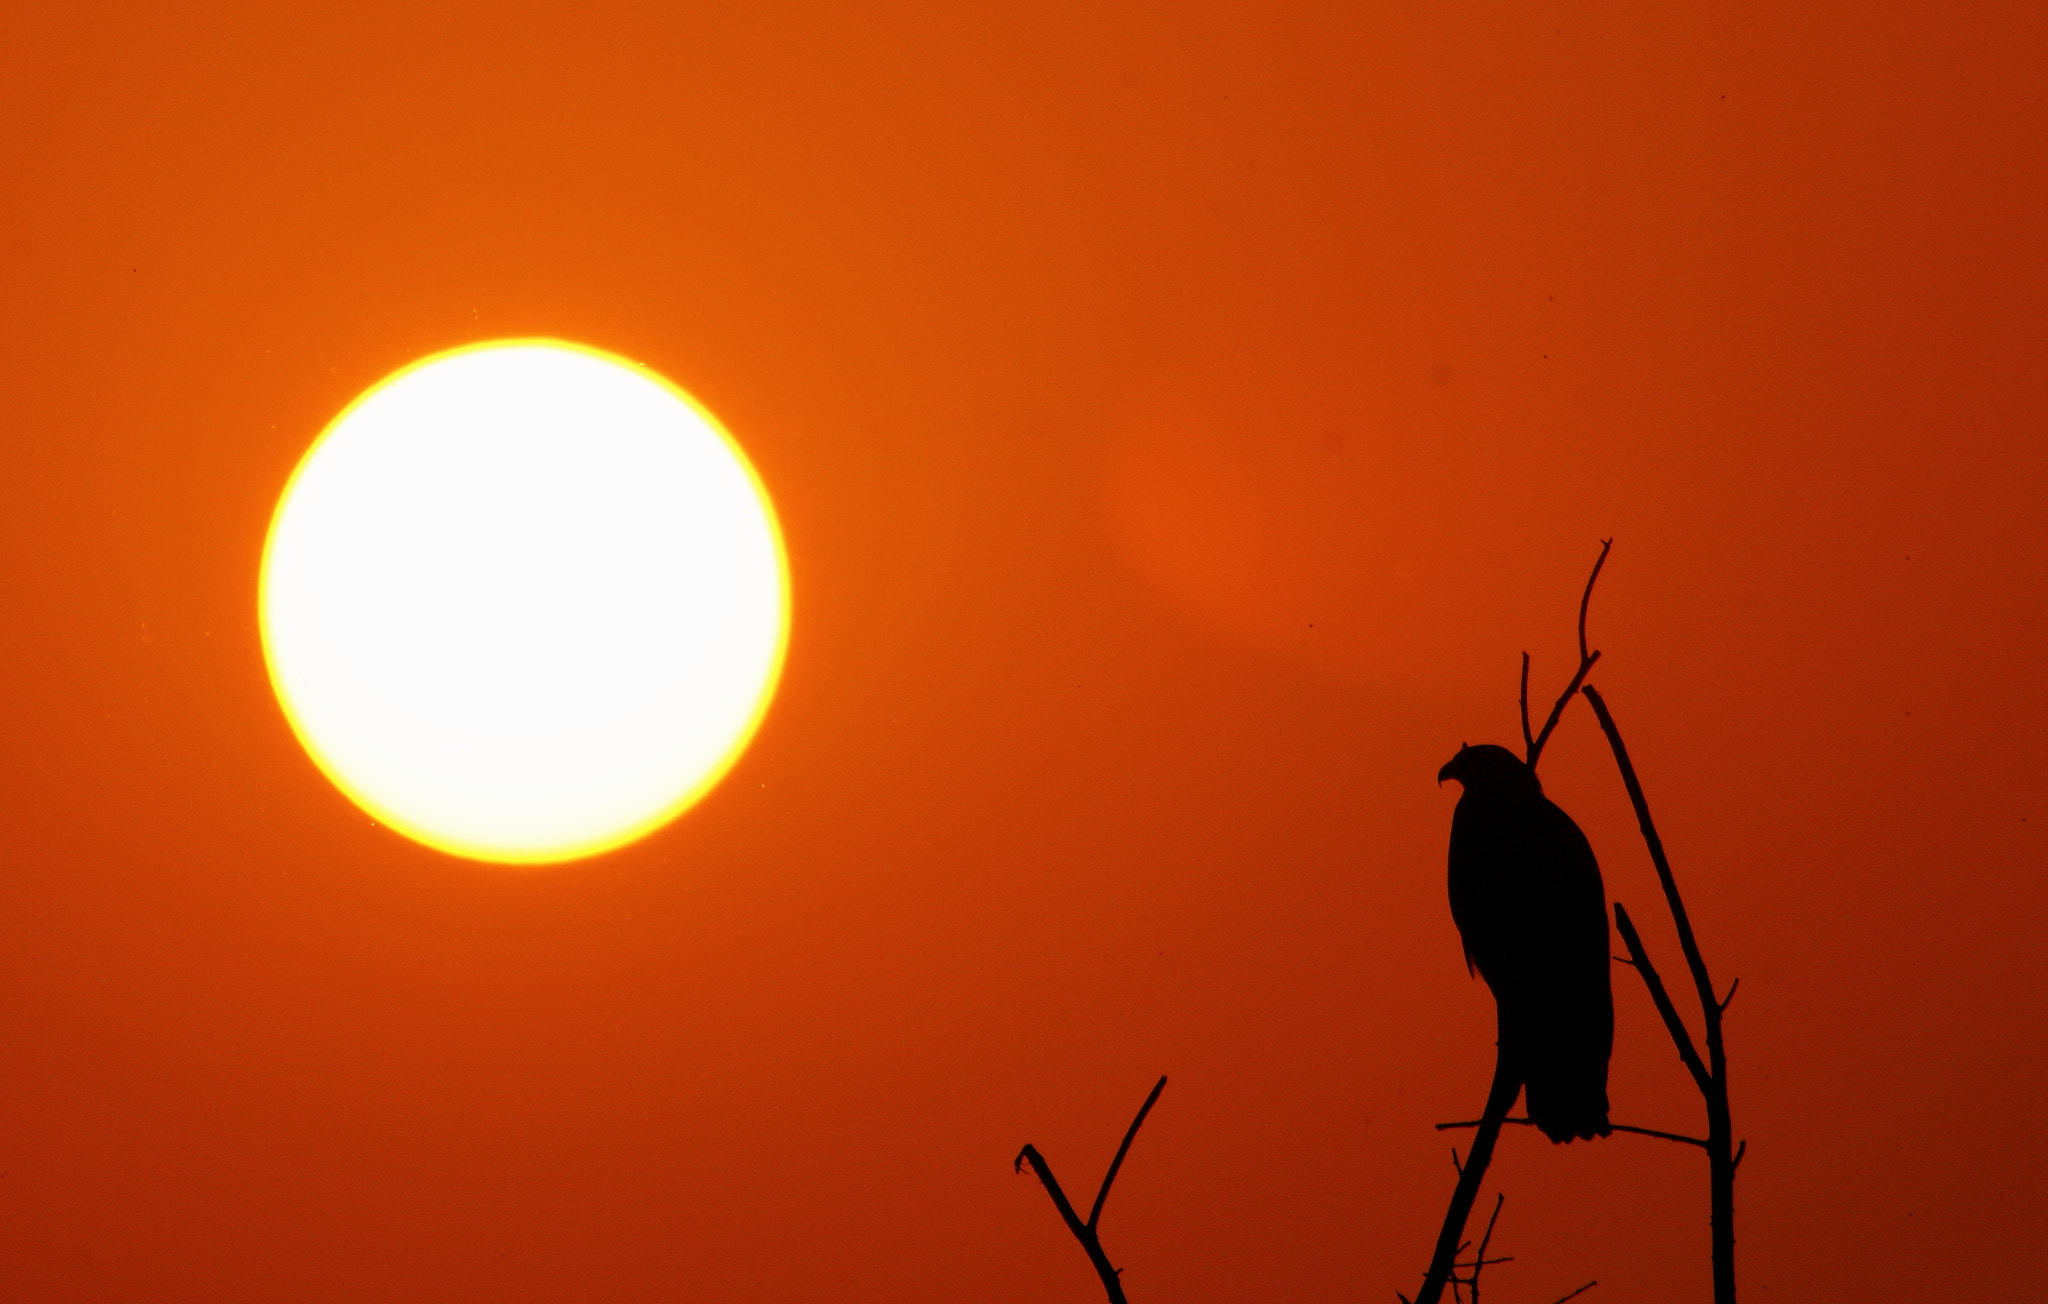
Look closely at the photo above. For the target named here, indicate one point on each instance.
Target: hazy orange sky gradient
(1180, 417)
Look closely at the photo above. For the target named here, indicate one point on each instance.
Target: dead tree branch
(1619, 1127)
(1085, 1232)
(1507, 1082)
(1470, 1281)
(1586, 659)
(1710, 1076)
(1500, 1097)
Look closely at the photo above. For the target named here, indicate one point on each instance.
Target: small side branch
(1528, 739)
(1102, 1196)
(1085, 1232)
(1479, 1263)
(1619, 1127)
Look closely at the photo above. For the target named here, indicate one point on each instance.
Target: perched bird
(1527, 898)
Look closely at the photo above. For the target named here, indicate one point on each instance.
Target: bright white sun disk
(524, 601)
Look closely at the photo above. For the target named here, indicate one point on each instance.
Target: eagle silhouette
(1528, 901)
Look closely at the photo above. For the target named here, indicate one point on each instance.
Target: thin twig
(1586, 598)
(1479, 1259)
(1586, 660)
(1619, 1127)
(1095, 1214)
(1729, 999)
(1580, 1291)
(1085, 1232)
(1528, 739)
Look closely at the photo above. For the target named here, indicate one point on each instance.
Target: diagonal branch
(1686, 942)
(1680, 1036)
(1500, 1097)
(1711, 1076)
(1085, 1232)
(1095, 1214)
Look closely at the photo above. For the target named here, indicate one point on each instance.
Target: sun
(525, 601)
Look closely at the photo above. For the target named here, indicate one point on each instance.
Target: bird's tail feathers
(1569, 1105)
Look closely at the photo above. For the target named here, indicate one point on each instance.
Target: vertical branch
(1712, 1078)
(1085, 1232)
(1586, 598)
(1507, 1084)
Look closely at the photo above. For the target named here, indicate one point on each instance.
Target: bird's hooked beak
(1450, 770)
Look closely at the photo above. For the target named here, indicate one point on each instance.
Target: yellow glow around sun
(524, 601)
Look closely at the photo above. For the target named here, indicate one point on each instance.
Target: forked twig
(1479, 1259)
(1085, 1232)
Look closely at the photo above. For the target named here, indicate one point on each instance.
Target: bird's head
(1488, 766)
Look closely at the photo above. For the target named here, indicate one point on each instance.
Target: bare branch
(1084, 1232)
(1686, 941)
(1500, 1097)
(1587, 658)
(1479, 1259)
(1619, 1127)
(1580, 1291)
(1711, 1076)
(1729, 999)
(1680, 1037)
(1528, 739)
(1586, 598)
(1095, 1214)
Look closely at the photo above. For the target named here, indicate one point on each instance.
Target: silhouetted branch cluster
(1709, 1071)
(1506, 1083)
(1085, 1232)
(1710, 1075)
(1500, 1098)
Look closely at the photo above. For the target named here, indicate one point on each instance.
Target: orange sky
(1180, 417)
